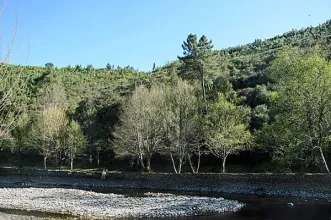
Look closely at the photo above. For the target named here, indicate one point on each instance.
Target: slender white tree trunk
(194, 170)
(72, 163)
(173, 163)
(180, 165)
(45, 162)
(323, 160)
(203, 91)
(98, 157)
(223, 164)
(148, 164)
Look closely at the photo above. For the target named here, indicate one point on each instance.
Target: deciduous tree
(51, 122)
(180, 124)
(302, 106)
(226, 129)
(76, 142)
(140, 130)
(20, 136)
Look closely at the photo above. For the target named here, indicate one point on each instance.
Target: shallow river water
(257, 208)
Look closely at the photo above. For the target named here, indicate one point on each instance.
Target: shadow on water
(39, 214)
(257, 207)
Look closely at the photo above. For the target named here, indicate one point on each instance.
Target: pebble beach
(94, 205)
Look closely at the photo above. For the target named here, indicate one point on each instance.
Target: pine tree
(108, 66)
(197, 62)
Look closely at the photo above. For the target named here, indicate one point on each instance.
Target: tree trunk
(194, 170)
(45, 162)
(19, 157)
(136, 166)
(91, 158)
(98, 157)
(323, 160)
(57, 159)
(62, 157)
(203, 87)
(71, 157)
(180, 166)
(72, 163)
(223, 165)
(198, 166)
(173, 163)
(142, 164)
(148, 164)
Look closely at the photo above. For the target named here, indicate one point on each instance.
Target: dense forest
(263, 106)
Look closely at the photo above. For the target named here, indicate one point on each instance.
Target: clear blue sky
(140, 32)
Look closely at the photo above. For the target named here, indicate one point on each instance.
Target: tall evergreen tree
(197, 62)
(108, 66)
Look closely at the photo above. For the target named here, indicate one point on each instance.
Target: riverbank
(264, 184)
(94, 205)
(5, 216)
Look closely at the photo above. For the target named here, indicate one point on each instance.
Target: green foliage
(76, 141)
(140, 131)
(260, 116)
(76, 138)
(226, 129)
(270, 76)
(301, 126)
(49, 65)
(109, 67)
(198, 63)
(181, 128)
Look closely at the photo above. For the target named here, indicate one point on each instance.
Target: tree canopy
(273, 94)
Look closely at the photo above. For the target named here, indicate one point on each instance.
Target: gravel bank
(273, 189)
(104, 206)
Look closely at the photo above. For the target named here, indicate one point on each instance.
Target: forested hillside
(261, 103)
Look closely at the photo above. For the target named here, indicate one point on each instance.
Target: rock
(290, 204)
(156, 194)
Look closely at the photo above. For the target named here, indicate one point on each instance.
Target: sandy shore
(103, 206)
